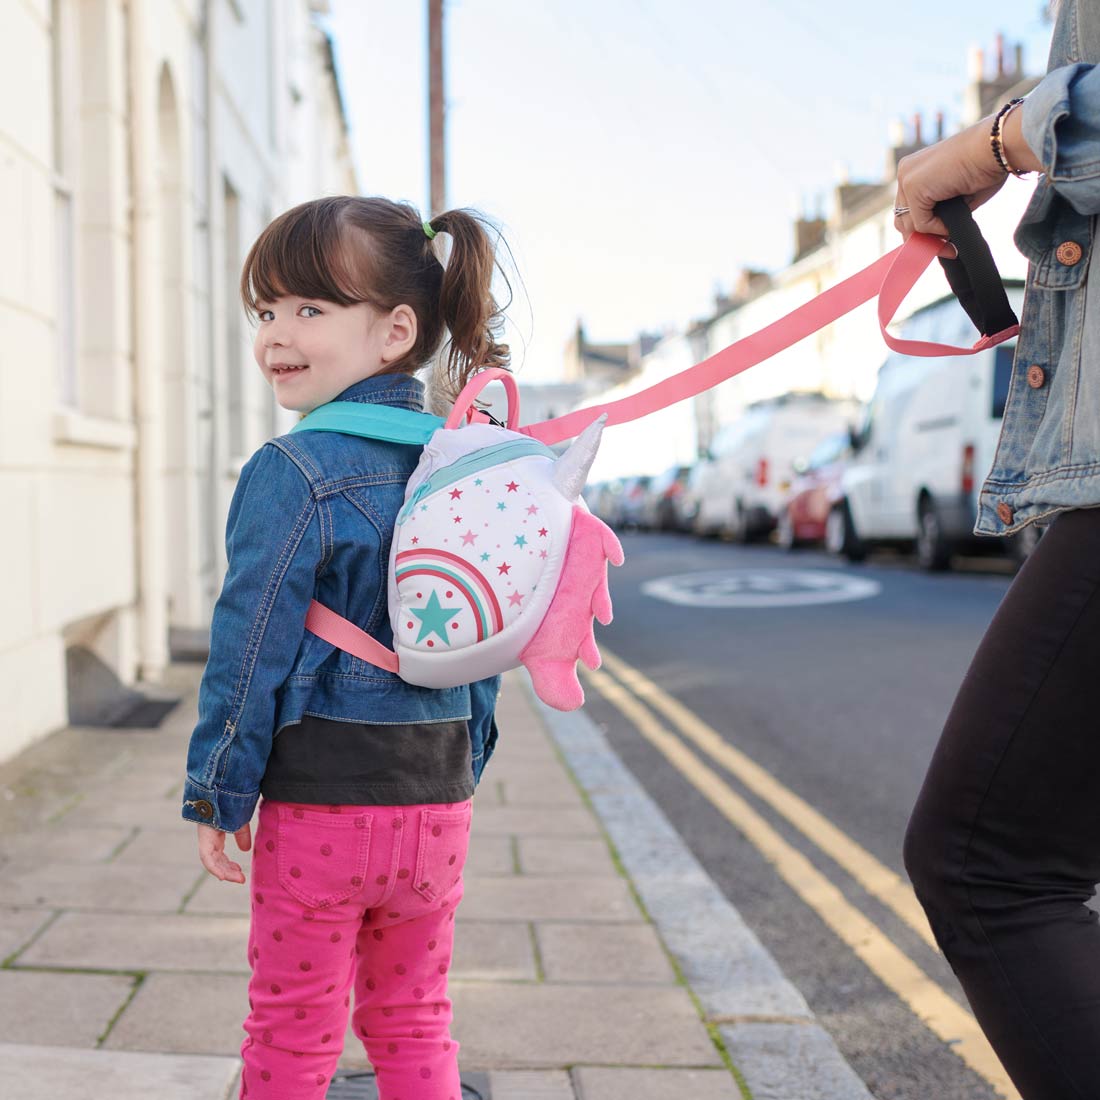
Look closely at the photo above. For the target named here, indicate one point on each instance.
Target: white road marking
(761, 588)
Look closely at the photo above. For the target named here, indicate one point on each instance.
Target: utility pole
(437, 152)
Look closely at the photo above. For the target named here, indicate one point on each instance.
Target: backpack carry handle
(464, 403)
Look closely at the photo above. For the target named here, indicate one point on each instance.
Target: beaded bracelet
(996, 141)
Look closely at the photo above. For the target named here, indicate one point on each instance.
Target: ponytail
(466, 303)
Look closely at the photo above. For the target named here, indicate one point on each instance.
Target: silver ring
(899, 210)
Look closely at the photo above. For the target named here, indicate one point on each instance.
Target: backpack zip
(480, 459)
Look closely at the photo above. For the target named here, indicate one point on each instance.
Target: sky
(638, 153)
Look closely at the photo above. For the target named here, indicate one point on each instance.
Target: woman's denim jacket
(312, 517)
(1048, 458)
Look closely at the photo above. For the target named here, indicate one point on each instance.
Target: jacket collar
(401, 390)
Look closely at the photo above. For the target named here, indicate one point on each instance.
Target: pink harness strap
(345, 635)
(891, 278)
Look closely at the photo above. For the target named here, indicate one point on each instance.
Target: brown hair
(347, 249)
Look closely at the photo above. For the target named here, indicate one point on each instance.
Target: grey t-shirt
(320, 760)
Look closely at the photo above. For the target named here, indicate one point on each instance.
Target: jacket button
(1036, 377)
(1069, 253)
(1004, 513)
(203, 808)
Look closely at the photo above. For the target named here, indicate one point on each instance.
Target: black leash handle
(974, 277)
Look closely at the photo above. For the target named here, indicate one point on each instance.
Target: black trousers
(1004, 843)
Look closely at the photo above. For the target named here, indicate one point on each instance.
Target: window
(234, 336)
(62, 63)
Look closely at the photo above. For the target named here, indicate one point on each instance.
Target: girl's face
(311, 350)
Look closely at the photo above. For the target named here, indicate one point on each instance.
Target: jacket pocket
(322, 856)
(441, 853)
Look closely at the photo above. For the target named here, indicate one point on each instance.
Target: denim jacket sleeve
(274, 546)
(1061, 124)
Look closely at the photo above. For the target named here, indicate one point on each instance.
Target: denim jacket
(1048, 457)
(311, 518)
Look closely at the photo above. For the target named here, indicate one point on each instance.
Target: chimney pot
(916, 130)
(976, 64)
(939, 125)
(1000, 55)
(1019, 59)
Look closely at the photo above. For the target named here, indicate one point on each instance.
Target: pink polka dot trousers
(363, 897)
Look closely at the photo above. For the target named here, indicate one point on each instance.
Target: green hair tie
(429, 231)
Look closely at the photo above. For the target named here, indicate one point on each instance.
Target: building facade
(143, 145)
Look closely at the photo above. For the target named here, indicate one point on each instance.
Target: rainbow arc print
(463, 581)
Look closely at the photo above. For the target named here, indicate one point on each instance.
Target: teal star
(484, 557)
(477, 481)
(433, 618)
(520, 540)
(501, 505)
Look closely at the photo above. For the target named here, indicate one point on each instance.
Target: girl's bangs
(300, 254)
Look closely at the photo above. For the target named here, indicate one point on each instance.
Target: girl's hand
(962, 164)
(212, 852)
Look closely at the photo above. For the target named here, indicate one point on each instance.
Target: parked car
(925, 445)
(815, 489)
(661, 511)
(743, 482)
(602, 499)
(630, 509)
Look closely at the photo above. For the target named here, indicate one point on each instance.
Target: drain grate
(360, 1085)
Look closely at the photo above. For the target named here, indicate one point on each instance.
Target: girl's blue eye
(314, 308)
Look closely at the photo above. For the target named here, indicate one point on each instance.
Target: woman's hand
(962, 164)
(212, 852)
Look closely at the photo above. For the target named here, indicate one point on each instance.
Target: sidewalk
(580, 971)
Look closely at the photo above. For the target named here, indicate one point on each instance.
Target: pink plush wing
(566, 634)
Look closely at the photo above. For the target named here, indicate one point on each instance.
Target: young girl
(366, 780)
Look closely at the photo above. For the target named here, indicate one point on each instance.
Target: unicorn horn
(571, 470)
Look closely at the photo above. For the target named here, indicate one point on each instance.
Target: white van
(925, 446)
(744, 479)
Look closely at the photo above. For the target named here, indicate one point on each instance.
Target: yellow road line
(876, 878)
(938, 1011)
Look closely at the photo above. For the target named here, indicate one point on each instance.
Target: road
(782, 709)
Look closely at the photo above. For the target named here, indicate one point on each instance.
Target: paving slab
(176, 846)
(64, 844)
(49, 1073)
(120, 941)
(493, 951)
(539, 821)
(516, 1026)
(214, 896)
(146, 813)
(629, 954)
(791, 1062)
(491, 855)
(548, 898)
(528, 790)
(562, 855)
(599, 1083)
(184, 1014)
(101, 886)
(17, 926)
(71, 1010)
(531, 1084)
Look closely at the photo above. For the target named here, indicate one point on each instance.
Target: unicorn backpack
(495, 561)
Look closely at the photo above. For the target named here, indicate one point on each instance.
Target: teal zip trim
(481, 459)
(371, 421)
